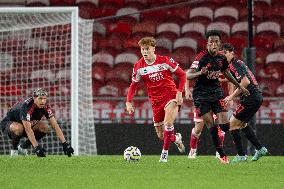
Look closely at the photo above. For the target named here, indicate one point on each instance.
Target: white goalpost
(49, 47)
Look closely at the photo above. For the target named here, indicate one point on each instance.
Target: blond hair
(147, 41)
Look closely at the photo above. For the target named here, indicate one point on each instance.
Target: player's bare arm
(30, 133)
(188, 94)
(193, 73)
(229, 76)
(244, 83)
(57, 129)
(131, 92)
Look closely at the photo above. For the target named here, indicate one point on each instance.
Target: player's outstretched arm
(244, 83)
(193, 73)
(40, 152)
(229, 76)
(188, 94)
(130, 94)
(67, 148)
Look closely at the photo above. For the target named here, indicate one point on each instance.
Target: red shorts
(198, 119)
(159, 111)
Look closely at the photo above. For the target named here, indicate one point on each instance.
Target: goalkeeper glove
(40, 152)
(67, 149)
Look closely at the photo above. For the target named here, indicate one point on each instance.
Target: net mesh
(35, 51)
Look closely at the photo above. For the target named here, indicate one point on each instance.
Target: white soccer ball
(132, 153)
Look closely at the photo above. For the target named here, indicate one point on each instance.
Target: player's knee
(17, 129)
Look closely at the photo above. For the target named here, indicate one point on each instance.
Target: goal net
(49, 48)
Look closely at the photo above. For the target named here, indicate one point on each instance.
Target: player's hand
(188, 94)
(129, 107)
(227, 100)
(67, 149)
(245, 91)
(179, 98)
(204, 71)
(40, 152)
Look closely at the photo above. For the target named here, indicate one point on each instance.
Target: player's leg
(40, 130)
(15, 132)
(221, 122)
(194, 137)
(243, 115)
(159, 128)
(171, 111)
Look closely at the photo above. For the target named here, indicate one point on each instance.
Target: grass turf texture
(113, 172)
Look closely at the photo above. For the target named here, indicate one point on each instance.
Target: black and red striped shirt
(26, 110)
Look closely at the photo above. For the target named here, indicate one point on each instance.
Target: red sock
(193, 140)
(221, 135)
(168, 137)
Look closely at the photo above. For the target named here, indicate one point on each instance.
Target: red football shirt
(157, 77)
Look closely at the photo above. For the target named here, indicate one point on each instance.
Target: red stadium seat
(131, 15)
(193, 30)
(119, 75)
(229, 15)
(88, 9)
(239, 43)
(138, 4)
(240, 30)
(224, 28)
(120, 30)
(164, 46)
(103, 59)
(268, 86)
(98, 73)
(156, 3)
(112, 45)
(279, 45)
(125, 60)
(186, 44)
(203, 15)
(275, 14)
(178, 15)
(276, 60)
(144, 29)
(111, 4)
(10, 90)
(270, 30)
(131, 46)
(168, 30)
(183, 59)
(156, 16)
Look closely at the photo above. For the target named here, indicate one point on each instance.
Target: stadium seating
(194, 30)
(230, 15)
(203, 15)
(168, 30)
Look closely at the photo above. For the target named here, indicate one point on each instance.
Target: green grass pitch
(100, 172)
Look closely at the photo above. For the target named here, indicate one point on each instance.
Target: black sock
(251, 137)
(238, 142)
(216, 141)
(15, 140)
(27, 143)
(225, 127)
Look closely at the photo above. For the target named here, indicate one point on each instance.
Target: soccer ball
(132, 154)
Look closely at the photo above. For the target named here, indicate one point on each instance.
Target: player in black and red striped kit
(248, 105)
(24, 120)
(207, 92)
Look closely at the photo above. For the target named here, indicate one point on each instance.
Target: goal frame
(74, 60)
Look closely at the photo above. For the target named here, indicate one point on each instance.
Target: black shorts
(5, 126)
(248, 106)
(204, 106)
